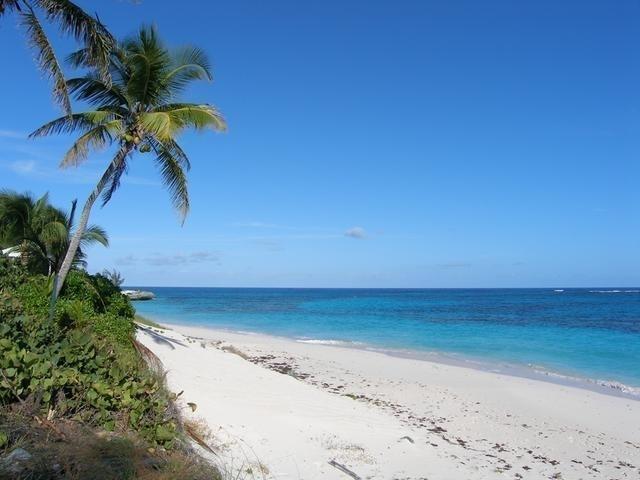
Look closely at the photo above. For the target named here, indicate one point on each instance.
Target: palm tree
(41, 232)
(138, 112)
(70, 20)
(113, 276)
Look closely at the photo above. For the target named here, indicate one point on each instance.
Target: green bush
(82, 364)
(98, 291)
(118, 304)
(77, 375)
(116, 328)
(73, 313)
(33, 294)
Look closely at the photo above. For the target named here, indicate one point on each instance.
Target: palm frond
(83, 122)
(157, 124)
(46, 58)
(95, 91)
(173, 177)
(6, 5)
(40, 231)
(97, 138)
(110, 180)
(54, 232)
(87, 29)
(191, 115)
(188, 64)
(95, 234)
(147, 60)
(177, 153)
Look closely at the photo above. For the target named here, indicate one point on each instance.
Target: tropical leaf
(6, 5)
(96, 139)
(157, 124)
(110, 180)
(40, 231)
(191, 115)
(95, 234)
(177, 153)
(88, 30)
(84, 122)
(147, 60)
(188, 64)
(46, 58)
(173, 177)
(54, 231)
(95, 91)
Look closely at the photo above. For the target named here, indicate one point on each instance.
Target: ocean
(585, 336)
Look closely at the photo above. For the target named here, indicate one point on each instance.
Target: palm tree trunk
(75, 239)
(113, 167)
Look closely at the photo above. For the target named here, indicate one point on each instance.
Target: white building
(11, 252)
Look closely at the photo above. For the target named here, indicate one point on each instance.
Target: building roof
(11, 252)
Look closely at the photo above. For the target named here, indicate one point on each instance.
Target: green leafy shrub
(73, 313)
(77, 375)
(116, 328)
(118, 304)
(33, 294)
(98, 291)
(82, 364)
(12, 273)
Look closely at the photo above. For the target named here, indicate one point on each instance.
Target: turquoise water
(583, 333)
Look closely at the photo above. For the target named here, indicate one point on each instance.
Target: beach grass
(148, 322)
(61, 448)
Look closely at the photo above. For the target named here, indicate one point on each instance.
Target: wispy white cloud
(12, 134)
(258, 225)
(23, 167)
(160, 260)
(296, 236)
(145, 182)
(454, 265)
(301, 233)
(356, 232)
(35, 169)
(126, 260)
(269, 244)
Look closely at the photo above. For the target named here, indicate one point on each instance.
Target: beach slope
(281, 409)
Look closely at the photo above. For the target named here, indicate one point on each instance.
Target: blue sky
(374, 144)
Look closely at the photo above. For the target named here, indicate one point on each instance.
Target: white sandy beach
(284, 409)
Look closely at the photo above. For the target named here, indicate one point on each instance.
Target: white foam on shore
(341, 343)
(611, 387)
(606, 384)
(614, 291)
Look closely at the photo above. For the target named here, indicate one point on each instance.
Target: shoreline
(533, 372)
(291, 407)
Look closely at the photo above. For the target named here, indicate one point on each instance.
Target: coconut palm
(70, 20)
(113, 276)
(138, 112)
(41, 233)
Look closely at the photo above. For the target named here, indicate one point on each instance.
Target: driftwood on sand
(344, 469)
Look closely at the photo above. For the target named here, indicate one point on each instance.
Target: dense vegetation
(83, 366)
(78, 398)
(40, 232)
